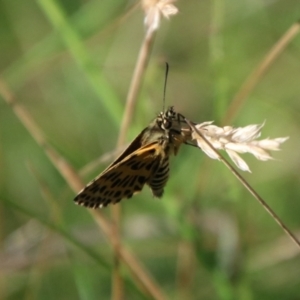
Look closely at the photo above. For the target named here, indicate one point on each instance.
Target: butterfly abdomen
(159, 179)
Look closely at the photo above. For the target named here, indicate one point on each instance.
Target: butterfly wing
(125, 178)
(133, 146)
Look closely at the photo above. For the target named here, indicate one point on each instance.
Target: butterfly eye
(166, 123)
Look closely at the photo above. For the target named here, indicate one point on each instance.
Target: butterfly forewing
(124, 179)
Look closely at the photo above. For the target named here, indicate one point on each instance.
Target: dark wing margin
(122, 180)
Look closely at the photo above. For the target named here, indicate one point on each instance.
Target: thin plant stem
(135, 86)
(131, 101)
(247, 186)
(254, 78)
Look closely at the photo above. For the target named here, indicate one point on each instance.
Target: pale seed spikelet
(236, 140)
(154, 10)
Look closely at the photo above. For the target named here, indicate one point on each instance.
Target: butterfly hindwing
(123, 179)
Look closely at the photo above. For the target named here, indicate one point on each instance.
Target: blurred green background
(70, 64)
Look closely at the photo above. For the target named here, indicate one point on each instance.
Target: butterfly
(145, 161)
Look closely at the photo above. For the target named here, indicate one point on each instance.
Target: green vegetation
(69, 64)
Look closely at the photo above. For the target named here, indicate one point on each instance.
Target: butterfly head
(165, 119)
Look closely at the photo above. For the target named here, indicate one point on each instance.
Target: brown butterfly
(145, 161)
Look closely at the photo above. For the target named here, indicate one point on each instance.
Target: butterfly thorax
(167, 130)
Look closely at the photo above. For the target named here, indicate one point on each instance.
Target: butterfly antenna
(165, 85)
